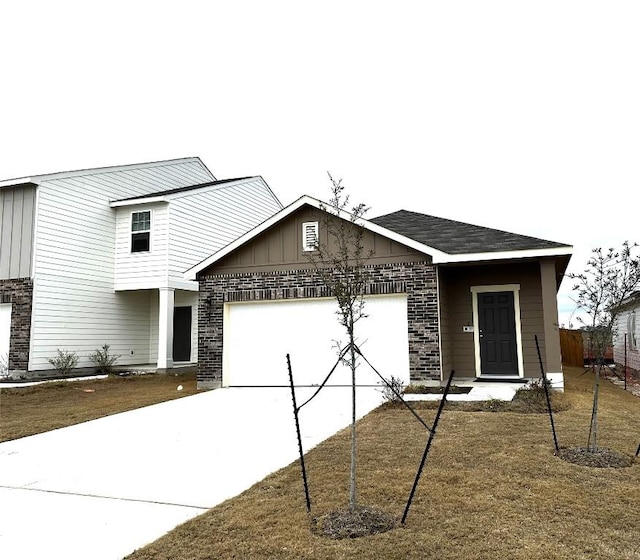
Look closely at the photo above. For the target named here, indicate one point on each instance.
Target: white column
(165, 328)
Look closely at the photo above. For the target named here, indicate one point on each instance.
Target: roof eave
(179, 194)
(506, 255)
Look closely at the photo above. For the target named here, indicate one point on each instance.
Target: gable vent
(309, 236)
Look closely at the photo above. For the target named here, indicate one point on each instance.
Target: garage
(5, 334)
(259, 334)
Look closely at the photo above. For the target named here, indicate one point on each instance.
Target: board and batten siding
(75, 304)
(17, 219)
(204, 222)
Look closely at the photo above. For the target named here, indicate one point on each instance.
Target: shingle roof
(457, 238)
(182, 189)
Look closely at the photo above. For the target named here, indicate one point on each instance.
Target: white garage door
(5, 333)
(259, 335)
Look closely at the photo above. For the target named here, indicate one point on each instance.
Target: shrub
(392, 389)
(533, 392)
(64, 361)
(103, 359)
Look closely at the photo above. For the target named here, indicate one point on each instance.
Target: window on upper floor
(140, 231)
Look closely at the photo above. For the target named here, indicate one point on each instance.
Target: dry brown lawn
(31, 410)
(492, 488)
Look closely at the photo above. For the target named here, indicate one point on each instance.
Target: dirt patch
(346, 524)
(601, 457)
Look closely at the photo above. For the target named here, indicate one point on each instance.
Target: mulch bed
(599, 458)
(346, 524)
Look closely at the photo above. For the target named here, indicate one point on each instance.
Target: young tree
(339, 260)
(609, 278)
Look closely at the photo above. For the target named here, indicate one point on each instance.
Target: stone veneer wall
(417, 280)
(19, 293)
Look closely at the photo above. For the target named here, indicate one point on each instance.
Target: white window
(309, 236)
(632, 339)
(140, 231)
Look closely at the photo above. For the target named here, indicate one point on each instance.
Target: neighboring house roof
(407, 232)
(631, 300)
(36, 179)
(161, 195)
(457, 238)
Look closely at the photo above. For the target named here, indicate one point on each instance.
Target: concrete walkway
(101, 489)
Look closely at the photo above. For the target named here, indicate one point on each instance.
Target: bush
(392, 389)
(64, 361)
(533, 392)
(103, 359)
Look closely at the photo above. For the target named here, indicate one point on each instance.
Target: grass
(492, 488)
(32, 410)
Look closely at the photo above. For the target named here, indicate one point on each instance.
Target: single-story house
(441, 295)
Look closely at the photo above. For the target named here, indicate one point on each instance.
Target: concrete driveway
(104, 488)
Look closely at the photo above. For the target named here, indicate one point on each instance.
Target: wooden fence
(571, 346)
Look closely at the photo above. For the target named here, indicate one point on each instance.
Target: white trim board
(515, 288)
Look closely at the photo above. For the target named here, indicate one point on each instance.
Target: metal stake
(295, 415)
(432, 434)
(546, 392)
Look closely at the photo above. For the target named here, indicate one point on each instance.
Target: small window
(309, 236)
(140, 231)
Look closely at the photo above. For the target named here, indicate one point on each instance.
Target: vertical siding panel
(28, 225)
(16, 234)
(5, 233)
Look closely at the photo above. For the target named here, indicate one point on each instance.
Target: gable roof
(458, 238)
(161, 195)
(404, 228)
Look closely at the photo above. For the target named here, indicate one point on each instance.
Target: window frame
(147, 231)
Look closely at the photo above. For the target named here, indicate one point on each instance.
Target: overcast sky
(523, 116)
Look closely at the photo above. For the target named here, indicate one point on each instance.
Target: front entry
(182, 334)
(497, 334)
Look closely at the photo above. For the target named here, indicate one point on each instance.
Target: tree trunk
(592, 444)
(352, 488)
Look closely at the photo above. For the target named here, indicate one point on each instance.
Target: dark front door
(182, 334)
(497, 324)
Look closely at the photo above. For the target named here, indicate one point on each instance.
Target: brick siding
(20, 294)
(417, 280)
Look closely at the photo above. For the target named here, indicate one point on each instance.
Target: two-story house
(98, 256)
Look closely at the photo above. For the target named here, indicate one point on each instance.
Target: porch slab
(480, 391)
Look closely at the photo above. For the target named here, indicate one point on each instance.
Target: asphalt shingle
(458, 238)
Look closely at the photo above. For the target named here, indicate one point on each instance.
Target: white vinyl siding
(144, 269)
(75, 305)
(628, 318)
(204, 222)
